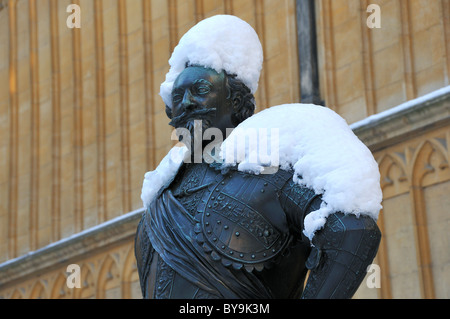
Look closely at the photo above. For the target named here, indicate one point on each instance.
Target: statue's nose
(188, 102)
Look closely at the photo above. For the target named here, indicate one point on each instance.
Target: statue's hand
(314, 257)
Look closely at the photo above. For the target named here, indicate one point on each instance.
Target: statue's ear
(169, 112)
(237, 102)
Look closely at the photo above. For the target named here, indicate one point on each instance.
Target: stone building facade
(81, 122)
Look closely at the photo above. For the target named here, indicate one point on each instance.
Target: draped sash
(170, 229)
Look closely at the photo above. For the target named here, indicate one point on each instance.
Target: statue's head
(214, 72)
(219, 100)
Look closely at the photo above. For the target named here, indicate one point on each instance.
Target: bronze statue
(223, 233)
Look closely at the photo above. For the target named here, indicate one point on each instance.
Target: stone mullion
(330, 59)
(56, 119)
(124, 108)
(149, 86)
(446, 26)
(367, 60)
(14, 131)
(228, 6)
(101, 110)
(418, 171)
(199, 10)
(35, 127)
(423, 246)
(78, 129)
(173, 24)
(383, 260)
(263, 91)
(407, 46)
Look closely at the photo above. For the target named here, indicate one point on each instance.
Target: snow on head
(221, 42)
(324, 153)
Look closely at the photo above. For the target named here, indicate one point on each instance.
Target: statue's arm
(143, 251)
(342, 251)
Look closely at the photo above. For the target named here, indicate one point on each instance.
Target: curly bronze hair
(242, 99)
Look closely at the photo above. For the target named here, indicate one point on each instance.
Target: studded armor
(229, 234)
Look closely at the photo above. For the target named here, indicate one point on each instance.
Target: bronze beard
(186, 120)
(243, 102)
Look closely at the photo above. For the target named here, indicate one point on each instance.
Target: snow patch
(155, 182)
(221, 42)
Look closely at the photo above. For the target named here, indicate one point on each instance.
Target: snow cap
(221, 42)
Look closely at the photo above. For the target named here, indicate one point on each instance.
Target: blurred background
(81, 121)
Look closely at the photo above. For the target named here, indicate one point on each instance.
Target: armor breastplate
(239, 220)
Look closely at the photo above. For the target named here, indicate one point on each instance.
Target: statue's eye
(177, 98)
(202, 89)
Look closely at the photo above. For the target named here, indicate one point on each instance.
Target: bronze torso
(229, 234)
(215, 234)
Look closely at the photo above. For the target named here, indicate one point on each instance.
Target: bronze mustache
(187, 118)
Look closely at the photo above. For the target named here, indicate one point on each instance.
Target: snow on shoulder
(155, 182)
(322, 150)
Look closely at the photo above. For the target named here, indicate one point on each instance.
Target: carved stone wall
(414, 254)
(364, 71)
(111, 274)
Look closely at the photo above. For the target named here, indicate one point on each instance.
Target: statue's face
(201, 94)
